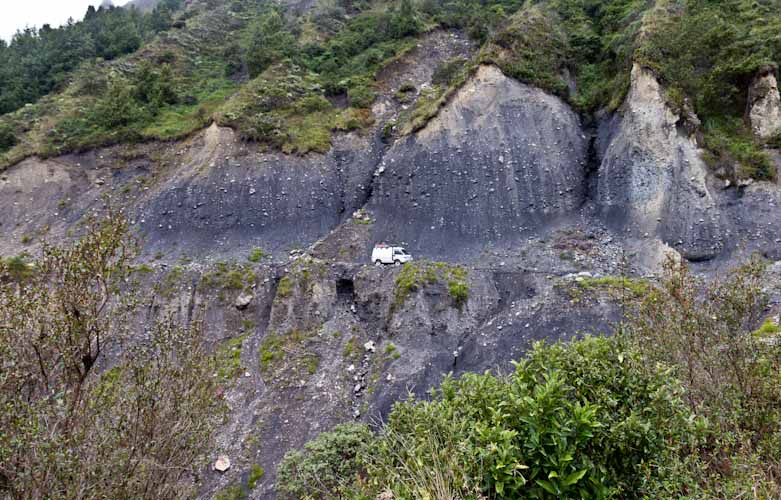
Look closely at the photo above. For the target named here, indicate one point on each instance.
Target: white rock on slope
(764, 105)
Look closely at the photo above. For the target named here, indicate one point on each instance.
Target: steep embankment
(500, 161)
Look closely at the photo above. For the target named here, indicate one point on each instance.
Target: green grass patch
(256, 255)
(271, 351)
(229, 276)
(285, 287)
(732, 149)
(256, 473)
(617, 287)
(768, 329)
(234, 491)
(416, 275)
(17, 268)
(229, 358)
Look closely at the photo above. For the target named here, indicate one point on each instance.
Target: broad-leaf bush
(706, 332)
(326, 466)
(579, 420)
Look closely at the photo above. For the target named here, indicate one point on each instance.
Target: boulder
(243, 301)
(222, 464)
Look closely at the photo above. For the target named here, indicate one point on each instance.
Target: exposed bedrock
(500, 160)
(227, 196)
(764, 104)
(652, 181)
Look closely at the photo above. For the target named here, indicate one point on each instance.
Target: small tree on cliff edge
(77, 422)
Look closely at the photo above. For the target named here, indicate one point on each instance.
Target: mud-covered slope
(227, 196)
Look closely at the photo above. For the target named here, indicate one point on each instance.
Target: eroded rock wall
(501, 159)
(652, 181)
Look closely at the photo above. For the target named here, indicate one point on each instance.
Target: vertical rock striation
(500, 159)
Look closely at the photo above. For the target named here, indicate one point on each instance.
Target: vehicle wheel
(378, 262)
(396, 263)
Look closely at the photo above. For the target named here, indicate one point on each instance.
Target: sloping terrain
(533, 205)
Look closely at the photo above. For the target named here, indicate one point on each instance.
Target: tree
(404, 21)
(270, 42)
(76, 421)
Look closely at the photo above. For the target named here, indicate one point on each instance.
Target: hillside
(542, 160)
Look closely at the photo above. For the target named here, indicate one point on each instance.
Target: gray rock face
(501, 159)
(222, 197)
(764, 105)
(652, 179)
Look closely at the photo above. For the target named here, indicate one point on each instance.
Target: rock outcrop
(506, 184)
(764, 104)
(652, 180)
(501, 159)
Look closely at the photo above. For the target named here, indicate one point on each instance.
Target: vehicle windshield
(401, 251)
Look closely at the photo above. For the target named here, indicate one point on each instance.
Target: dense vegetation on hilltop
(639, 415)
(273, 74)
(38, 61)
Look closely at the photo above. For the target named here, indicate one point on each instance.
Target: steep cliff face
(505, 184)
(228, 196)
(499, 161)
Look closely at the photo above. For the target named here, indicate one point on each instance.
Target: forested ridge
(39, 61)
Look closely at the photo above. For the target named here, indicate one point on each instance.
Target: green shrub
(256, 473)
(256, 255)
(270, 351)
(587, 419)
(730, 144)
(233, 492)
(285, 287)
(459, 292)
(708, 334)
(360, 96)
(446, 72)
(769, 328)
(17, 268)
(7, 138)
(325, 467)
(229, 358)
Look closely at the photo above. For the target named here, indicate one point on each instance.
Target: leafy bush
(7, 138)
(73, 422)
(326, 466)
(446, 72)
(360, 96)
(707, 334)
(17, 268)
(582, 420)
(256, 473)
(256, 255)
(38, 61)
(459, 292)
(270, 42)
(732, 149)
